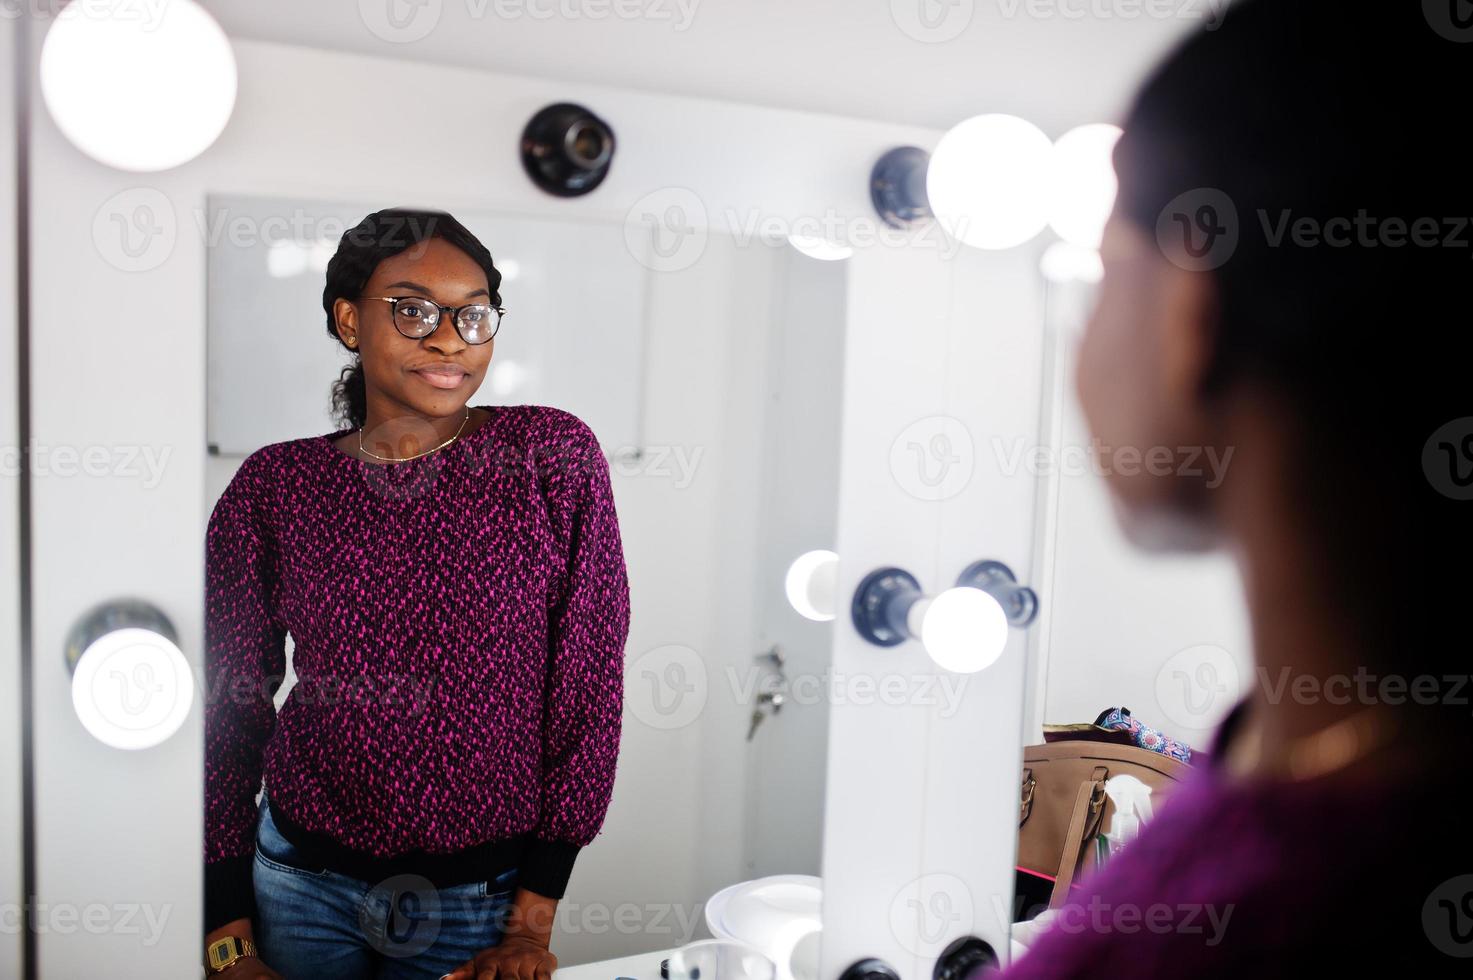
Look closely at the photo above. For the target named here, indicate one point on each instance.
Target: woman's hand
(247, 968)
(516, 958)
(523, 951)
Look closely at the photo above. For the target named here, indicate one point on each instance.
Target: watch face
(225, 951)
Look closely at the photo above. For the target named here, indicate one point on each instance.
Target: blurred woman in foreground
(1286, 275)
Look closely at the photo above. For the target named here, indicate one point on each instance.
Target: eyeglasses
(416, 317)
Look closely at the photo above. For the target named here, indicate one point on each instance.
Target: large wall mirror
(776, 415)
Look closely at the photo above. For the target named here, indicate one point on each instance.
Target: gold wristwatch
(223, 952)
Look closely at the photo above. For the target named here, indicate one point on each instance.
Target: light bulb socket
(110, 616)
(963, 957)
(882, 604)
(897, 187)
(1019, 603)
(870, 968)
(567, 150)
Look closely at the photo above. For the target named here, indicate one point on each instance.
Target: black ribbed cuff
(230, 891)
(546, 866)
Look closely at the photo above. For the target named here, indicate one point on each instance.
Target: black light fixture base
(870, 969)
(963, 957)
(1019, 603)
(881, 603)
(897, 187)
(566, 149)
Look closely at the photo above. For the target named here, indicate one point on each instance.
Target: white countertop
(641, 966)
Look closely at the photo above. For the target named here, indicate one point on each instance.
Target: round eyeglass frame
(434, 323)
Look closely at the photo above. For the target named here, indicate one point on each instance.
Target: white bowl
(774, 914)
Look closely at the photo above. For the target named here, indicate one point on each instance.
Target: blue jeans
(315, 924)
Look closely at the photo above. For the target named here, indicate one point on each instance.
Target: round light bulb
(987, 181)
(818, 247)
(1082, 183)
(812, 584)
(132, 688)
(139, 93)
(964, 630)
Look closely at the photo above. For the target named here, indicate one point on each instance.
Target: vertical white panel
(942, 368)
(975, 753)
(875, 815)
(10, 687)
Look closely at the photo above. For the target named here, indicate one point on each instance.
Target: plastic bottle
(1132, 799)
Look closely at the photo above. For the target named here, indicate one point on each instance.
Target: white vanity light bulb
(139, 93)
(812, 584)
(963, 629)
(1082, 183)
(988, 181)
(132, 688)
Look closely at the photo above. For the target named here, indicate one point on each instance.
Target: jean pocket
(277, 853)
(501, 886)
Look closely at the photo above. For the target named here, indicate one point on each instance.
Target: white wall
(1166, 636)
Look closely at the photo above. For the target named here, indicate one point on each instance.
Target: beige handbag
(1064, 805)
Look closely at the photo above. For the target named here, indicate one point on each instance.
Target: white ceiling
(1056, 62)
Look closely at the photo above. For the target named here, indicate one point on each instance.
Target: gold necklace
(405, 459)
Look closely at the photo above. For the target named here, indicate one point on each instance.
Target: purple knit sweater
(459, 624)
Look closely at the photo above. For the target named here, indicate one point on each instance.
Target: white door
(787, 750)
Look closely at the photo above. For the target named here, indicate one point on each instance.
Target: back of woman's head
(1308, 156)
(378, 236)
